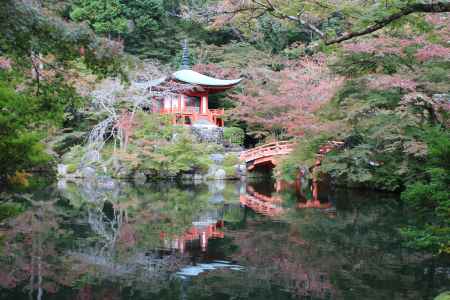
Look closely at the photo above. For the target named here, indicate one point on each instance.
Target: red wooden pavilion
(191, 105)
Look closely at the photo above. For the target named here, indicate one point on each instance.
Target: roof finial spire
(185, 60)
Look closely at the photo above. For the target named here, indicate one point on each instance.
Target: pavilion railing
(190, 110)
(194, 114)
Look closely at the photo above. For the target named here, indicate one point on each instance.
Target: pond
(221, 240)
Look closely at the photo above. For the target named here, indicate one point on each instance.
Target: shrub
(20, 178)
(356, 64)
(74, 155)
(428, 198)
(436, 74)
(71, 168)
(303, 155)
(230, 160)
(234, 135)
(230, 171)
(8, 210)
(20, 147)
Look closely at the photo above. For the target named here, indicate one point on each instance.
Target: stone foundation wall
(208, 133)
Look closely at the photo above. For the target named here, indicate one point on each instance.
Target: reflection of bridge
(271, 205)
(262, 204)
(266, 155)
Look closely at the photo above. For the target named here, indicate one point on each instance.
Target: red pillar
(204, 104)
(315, 190)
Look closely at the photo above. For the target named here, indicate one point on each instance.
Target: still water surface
(222, 240)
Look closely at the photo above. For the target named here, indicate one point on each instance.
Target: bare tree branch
(267, 6)
(433, 7)
(271, 9)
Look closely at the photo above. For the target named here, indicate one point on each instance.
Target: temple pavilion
(190, 105)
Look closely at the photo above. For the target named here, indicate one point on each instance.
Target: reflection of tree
(31, 258)
(360, 248)
(225, 284)
(104, 241)
(277, 259)
(97, 232)
(128, 222)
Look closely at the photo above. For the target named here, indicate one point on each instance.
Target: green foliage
(234, 135)
(179, 156)
(382, 148)
(104, 16)
(9, 209)
(443, 296)
(437, 75)
(429, 198)
(229, 164)
(357, 64)
(355, 102)
(237, 55)
(56, 101)
(436, 71)
(364, 166)
(27, 116)
(385, 99)
(26, 30)
(145, 25)
(71, 168)
(164, 41)
(303, 155)
(32, 106)
(74, 155)
(20, 147)
(275, 37)
(160, 148)
(382, 134)
(119, 17)
(231, 159)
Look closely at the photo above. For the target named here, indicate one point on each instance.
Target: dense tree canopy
(33, 34)
(332, 21)
(39, 53)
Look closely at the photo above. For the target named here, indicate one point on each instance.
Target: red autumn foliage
(384, 82)
(427, 50)
(127, 236)
(287, 100)
(5, 63)
(6, 280)
(433, 51)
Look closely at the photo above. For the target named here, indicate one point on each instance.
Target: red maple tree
(284, 102)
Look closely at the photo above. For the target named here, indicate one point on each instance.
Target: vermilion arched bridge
(267, 155)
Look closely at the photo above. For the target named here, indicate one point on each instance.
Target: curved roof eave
(192, 77)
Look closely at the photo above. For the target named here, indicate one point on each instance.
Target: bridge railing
(259, 206)
(271, 149)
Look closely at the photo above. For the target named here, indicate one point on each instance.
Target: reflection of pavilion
(315, 204)
(201, 233)
(206, 226)
(262, 204)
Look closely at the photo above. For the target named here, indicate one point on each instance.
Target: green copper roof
(192, 77)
